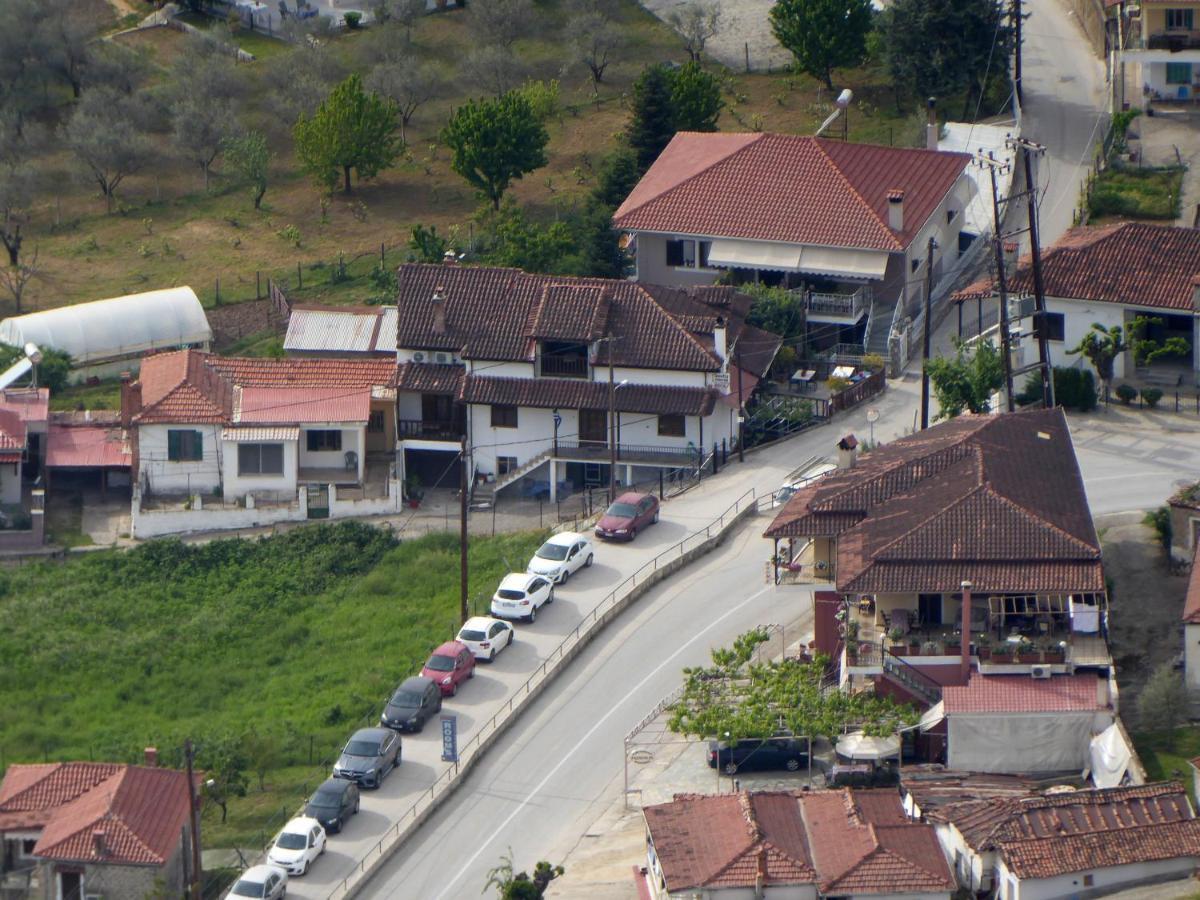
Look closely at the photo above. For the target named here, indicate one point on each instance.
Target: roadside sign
(557, 419)
(449, 738)
(721, 381)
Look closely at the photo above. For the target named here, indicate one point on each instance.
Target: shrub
(873, 361)
(1126, 393)
(837, 385)
(352, 18)
(1160, 520)
(1151, 396)
(289, 233)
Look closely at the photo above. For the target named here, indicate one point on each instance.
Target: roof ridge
(1007, 501)
(674, 321)
(819, 144)
(934, 514)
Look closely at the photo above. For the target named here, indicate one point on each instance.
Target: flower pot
(414, 503)
(983, 653)
(1055, 656)
(952, 650)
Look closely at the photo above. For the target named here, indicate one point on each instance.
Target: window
(185, 446)
(1055, 325)
(705, 247)
(504, 417)
(1179, 73)
(950, 214)
(319, 441)
(672, 426)
(505, 464)
(916, 264)
(1180, 20)
(375, 422)
(1088, 880)
(681, 253)
(260, 459)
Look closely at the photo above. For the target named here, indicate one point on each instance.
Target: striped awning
(260, 435)
(754, 255)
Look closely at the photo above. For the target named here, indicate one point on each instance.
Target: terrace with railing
(430, 430)
(838, 305)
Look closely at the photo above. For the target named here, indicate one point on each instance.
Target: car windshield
(622, 510)
(324, 802)
(289, 840)
(440, 663)
(509, 594)
(469, 634)
(406, 698)
(246, 888)
(362, 748)
(551, 550)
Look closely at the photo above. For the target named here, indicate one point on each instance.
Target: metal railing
(471, 750)
(836, 304)
(563, 366)
(909, 676)
(681, 456)
(1173, 40)
(436, 430)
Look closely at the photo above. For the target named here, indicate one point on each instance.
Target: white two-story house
(847, 226)
(541, 375)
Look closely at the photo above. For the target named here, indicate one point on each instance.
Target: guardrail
(665, 561)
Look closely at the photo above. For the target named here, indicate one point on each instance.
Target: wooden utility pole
(1017, 15)
(194, 819)
(1027, 149)
(741, 415)
(612, 422)
(462, 532)
(995, 165)
(925, 352)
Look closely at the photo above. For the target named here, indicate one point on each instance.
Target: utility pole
(612, 422)
(925, 355)
(995, 165)
(1027, 149)
(1016, 17)
(462, 533)
(194, 816)
(741, 414)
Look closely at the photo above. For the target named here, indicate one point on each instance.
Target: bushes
(1151, 396)
(1073, 389)
(1126, 393)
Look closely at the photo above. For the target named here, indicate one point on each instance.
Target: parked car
(795, 481)
(415, 702)
(449, 666)
(300, 842)
(263, 882)
(521, 595)
(368, 756)
(485, 636)
(333, 803)
(561, 557)
(757, 753)
(627, 516)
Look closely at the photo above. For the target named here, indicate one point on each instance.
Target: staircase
(910, 678)
(879, 326)
(486, 493)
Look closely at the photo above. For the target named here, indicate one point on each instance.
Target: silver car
(261, 882)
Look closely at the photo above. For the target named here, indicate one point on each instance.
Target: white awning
(260, 435)
(932, 716)
(857, 745)
(843, 263)
(754, 255)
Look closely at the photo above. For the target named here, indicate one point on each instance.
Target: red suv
(449, 666)
(627, 516)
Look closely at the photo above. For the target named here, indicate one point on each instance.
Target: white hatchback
(485, 637)
(521, 595)
(298, 845)
(561, 557)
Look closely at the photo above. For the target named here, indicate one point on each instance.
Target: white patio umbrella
(857, 745)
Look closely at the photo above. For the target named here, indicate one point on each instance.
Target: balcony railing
(1173, 41)
(851, 306)
(634, 453)
(564, 366)
(429, 430)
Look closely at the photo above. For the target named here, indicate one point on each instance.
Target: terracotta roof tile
(568, 393)
(282, 406)
(1045, 858)
(1131, 263)
(789, 188)
(1022, 694)
(429, 378)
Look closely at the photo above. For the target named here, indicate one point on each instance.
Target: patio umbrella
(857, 745)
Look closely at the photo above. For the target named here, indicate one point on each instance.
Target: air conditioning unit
(418, 356)
(1039, 671)
(442, 358)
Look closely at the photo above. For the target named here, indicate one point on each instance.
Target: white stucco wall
(673, 377)
(500, 368)
(10, 483)
(166, 477)
(1078, 316)
(1191, 656)
(352, 439)
(973, 870)
(273, 486)
(652, 265)
(1104, 880)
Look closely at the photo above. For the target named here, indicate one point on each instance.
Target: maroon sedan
(627, 516)
(449, 666)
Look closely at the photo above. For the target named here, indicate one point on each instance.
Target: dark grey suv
(368, 756)
(333, 803)
(756, 753)
(415, 702)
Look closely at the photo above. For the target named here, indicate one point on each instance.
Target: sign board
(449, 738)
(872, 415)
(721, 380)
(557, 419)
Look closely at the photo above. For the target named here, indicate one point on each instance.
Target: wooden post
(257, 285)
(218, 292)
(299, 278)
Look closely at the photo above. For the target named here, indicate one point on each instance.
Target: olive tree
(105, 136)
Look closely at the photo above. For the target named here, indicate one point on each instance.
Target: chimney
(449, 259)
(720, 347)
(931, 124)
(964, 662)
(98, 842)
(895, 198)
(439, 310)
(151, 754)
(847, 452)
(760, 873)
(131, 399)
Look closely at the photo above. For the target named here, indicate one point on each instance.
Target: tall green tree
(695, 98)
(653, 123)
(1101, 346)
(353, 129)
(250, 157)
(823, 35)
(617, 175)
(1162, 705)
(496, 142)
(966, 381)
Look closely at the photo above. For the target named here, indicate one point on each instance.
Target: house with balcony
(550, 379)
(848, 227)
(1161, 38)
(221, 442)
(959, 568)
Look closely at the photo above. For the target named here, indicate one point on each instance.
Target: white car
(261, 882)
(300, 842)
(485, 637)
(521, 595)
(561, 557)
(796, 482)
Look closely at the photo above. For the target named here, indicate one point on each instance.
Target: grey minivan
(415, 702)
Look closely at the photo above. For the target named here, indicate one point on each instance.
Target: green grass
(1168, 764)
(64, 521)
(1138, 193)
(262, 46)
(105, 395)
(299, 637)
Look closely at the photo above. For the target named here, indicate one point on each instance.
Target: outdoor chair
(351, 461)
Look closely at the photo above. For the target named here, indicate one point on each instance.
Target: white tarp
(857, 745)
(1025, 744)
(754, 255)
(843, 262)
(932, 716)
(1109, 757)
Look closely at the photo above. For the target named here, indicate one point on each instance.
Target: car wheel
(492, 655)
(588, 563)
(565, 575)
(730, 768)
(304, 868)
(454, 690)
(439, 708)
(533, 615)
(550, 596)
(471, 674)
(654, 521)
(632, 533)
(793, 765)
(357, 802)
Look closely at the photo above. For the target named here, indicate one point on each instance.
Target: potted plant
(897, 646)
(1002, 652)
(983, 647)
(952, 645)
(1052, 651)
(1026, 652)
(412, 490)
(914, 645)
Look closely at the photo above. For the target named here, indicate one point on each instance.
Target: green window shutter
(198, 445)
(173, 445)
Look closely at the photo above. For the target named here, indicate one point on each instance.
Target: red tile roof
(789, 188)
(1042, 858)
(1022, 694)
(87, 446)
(429, 378)
(30, 794)
(995, 500)
(567, 393)
(1191, 603)
(283, 406)
(1131, 263)
(842, 841)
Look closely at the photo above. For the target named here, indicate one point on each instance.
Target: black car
(757, 753)
(415, 702)
(368, 756)
(333, 803)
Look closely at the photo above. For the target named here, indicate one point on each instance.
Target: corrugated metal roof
(86, 447)
(301, 405)
(255, 435)
(341, 330)
(385, 339)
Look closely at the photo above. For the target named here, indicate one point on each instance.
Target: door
(929, 609)
(318, 501)
(70, 885)
(593, 427)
